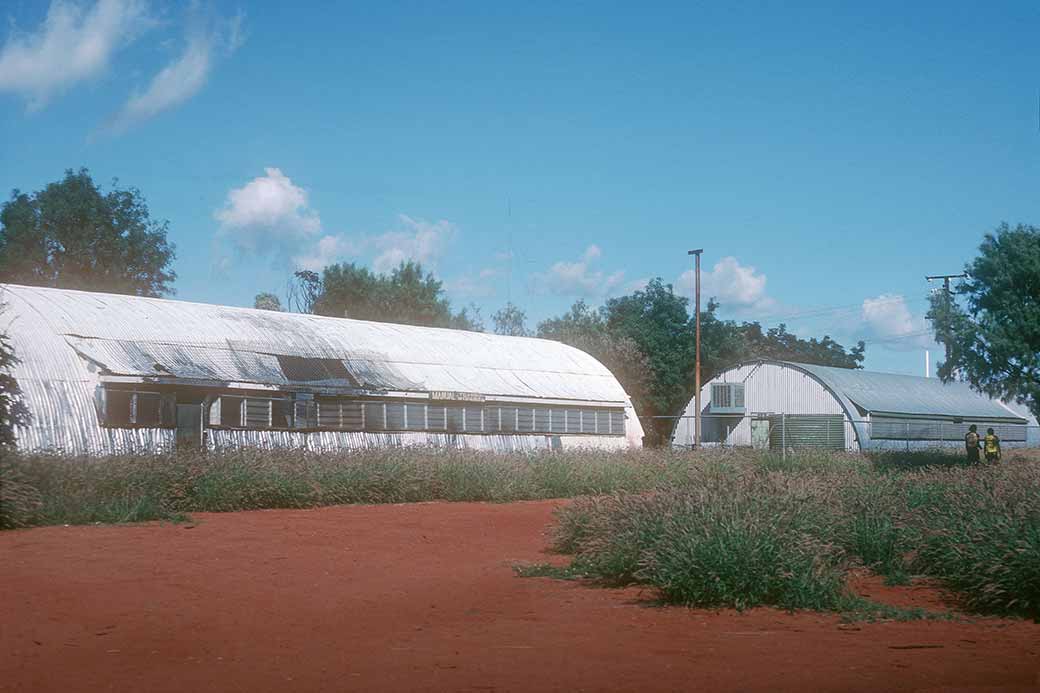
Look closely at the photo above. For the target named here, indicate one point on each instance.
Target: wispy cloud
(185, 75)
(889, 321)
(579, 278)
(73, 44)
(419, 240)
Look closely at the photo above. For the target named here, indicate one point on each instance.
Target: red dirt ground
(423, 597)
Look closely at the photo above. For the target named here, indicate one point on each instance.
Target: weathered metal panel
(67, 339)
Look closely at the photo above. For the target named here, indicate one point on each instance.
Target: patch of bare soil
(423, 597)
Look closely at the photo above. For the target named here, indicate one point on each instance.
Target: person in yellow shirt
(991, 445)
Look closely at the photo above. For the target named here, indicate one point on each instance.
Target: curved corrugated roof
(57, 331)
(891, 393)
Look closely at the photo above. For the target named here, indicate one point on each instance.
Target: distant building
(777, 404)
(104, 374)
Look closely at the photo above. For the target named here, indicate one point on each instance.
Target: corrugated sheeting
(769, 388)
(891, 393)
(777, 387)
(331, 441)
(66, 339)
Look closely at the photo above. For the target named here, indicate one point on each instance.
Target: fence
(836, 432)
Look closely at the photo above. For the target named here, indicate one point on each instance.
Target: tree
(304, 291)
(586, 329)
(510, 321)
(647, 340)
(13, 411)
(994, 341)
(70, 235)
(407, 295)
(267, 301)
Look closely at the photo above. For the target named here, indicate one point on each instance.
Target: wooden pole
(697, 348)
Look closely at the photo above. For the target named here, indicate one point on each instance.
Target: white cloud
(328, 250)
(421, 241)
(579, 278)
(73, 44)
(736, 286)
(183, 77)
(269, 213)
(890, 322)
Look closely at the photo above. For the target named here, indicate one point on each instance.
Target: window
(491, 422)
(573, 421)
(588, 421)
(128, 408)
(557, 421)
(541, 420)
(119, 408)
(507, 419)
(305, 413)
(375, 416)
(435, 417)
(456, 419)
(525, 420)
(474, 419)
(617, 423)
(231, 411)
(602, 422)
(258, 413)
(415, 417)
(394, 416)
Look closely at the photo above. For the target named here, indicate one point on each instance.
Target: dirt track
(422, 597)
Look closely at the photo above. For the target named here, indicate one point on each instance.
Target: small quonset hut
(777, 404)
(105, 373)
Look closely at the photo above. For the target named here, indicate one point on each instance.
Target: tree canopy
(70, 235)
(647, 340)
(993, 328)
(267, 301)
(407, 295)
(511, 321)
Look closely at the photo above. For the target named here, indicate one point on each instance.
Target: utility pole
(697, 347)
(948, 297)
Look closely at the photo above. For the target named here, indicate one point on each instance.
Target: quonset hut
(105, 373)
(778, 404)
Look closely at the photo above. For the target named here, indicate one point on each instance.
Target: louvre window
(258, 413)
(525, 420)
(602, 422)
(435, 420)
(474, 419)
(573, 421)
(394, 416)
(375, 416)
(558, 421)
(126, 408)
(456, 419)
(588, 421)
(281, 413)
(507, 419)
(617, 423)
(491, 420)
(541, 420)
(415, 417)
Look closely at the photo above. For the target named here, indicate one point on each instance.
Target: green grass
(729, 528)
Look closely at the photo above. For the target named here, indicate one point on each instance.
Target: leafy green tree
(647, 340)
(510, 321)
(407, 295)
(70, 235)
(586, 329)
(267, 301)
(13, 411)
(993, 330)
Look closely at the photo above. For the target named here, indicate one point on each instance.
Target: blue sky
(827, 156)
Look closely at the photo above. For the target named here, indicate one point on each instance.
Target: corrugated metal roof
(67, 340)
(891, 393)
